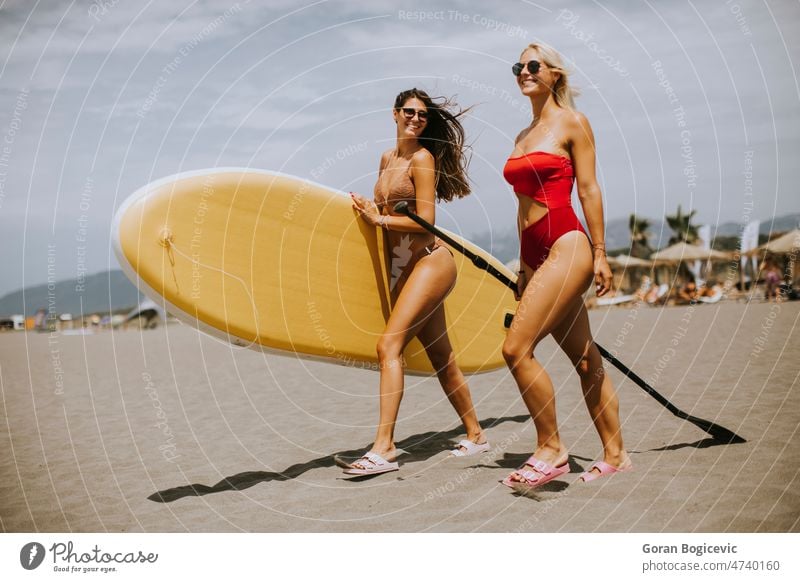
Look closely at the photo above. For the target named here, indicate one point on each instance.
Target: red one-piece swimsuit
(548, 179)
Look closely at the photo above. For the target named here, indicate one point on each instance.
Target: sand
(170, 431)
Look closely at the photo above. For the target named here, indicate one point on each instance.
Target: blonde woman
(558, 262)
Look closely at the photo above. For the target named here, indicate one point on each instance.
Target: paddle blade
(720, 433)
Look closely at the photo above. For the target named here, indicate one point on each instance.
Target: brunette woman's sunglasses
(532, 66)
(410, 112)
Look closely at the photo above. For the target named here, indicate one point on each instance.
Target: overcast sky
(99, 98)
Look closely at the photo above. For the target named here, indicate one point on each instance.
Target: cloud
(58, 30)
(277, 83)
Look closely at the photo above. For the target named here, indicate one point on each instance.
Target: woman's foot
(542, 466)
(608, 466)
(373, 463)
(466, 450)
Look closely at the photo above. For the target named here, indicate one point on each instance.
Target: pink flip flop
(542, 473)
(605, 469)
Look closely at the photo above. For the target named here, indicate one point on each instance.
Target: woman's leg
(547, 299)
(434, 338)
(575, 338)
(422, 293)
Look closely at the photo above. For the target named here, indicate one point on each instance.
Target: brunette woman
(426, 165)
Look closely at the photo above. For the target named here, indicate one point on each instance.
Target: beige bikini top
(394, 185)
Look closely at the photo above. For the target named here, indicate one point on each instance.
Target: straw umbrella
(684, 252)
(788, 244)
(627, 264)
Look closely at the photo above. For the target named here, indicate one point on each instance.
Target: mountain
(780, 224)
(101, 292)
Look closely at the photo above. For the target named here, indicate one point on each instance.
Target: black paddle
(720, 433)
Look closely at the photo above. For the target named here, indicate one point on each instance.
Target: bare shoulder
(577, 127)
(422, 157)
(575, 120)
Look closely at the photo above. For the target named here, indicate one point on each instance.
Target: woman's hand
(522, 282)
(603, 280)
(366, 209)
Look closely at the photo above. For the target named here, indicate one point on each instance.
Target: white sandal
(371, 464)
(471, 449)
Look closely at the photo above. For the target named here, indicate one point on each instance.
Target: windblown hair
(562, 92)
(443, 137)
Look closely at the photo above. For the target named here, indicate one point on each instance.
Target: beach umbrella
(628, 262)
(789, 243)
(683, 251)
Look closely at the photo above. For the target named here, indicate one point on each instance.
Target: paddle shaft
(715, 430)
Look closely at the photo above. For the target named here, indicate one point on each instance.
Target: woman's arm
(522, 276)
(583, 159)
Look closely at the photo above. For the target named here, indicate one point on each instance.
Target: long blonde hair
(563, 94)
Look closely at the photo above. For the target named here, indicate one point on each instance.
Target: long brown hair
(443, 137)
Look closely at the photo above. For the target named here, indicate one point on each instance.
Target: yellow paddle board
(274, 262)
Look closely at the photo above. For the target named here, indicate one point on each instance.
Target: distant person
(645, 286)
(687, 294)
(558, 263)
(657, 295)
(710, 289)
(40, 320)
(772, 280)
(427, 164)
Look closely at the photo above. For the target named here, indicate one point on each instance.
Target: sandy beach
(169, 430)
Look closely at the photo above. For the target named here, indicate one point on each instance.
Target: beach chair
(616, 300)
(716, 295)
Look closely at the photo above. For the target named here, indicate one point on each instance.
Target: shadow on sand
(419, 447)
(701, 444)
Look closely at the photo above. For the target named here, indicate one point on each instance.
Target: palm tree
(685, 231)
(681, 225)
(640, 243)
